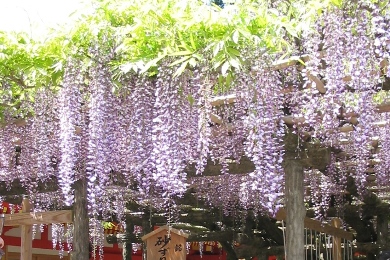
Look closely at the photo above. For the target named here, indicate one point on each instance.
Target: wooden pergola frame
(27, 218)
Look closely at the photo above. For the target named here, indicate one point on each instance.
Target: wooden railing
(340, 241)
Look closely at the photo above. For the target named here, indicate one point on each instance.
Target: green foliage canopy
(134, 36)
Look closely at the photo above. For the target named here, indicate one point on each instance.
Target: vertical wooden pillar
(146, 229)
(295, 208)
(26, 235)
(5, 252)
(127, 245)
(80, 222)
(336, 247)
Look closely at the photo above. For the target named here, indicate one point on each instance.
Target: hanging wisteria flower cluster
(62, 237)
(70, 118)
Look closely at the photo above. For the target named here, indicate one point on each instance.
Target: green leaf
(301, 61)
(192, 62)
(190, 99)
(235, 36)
(151, 63)
(180, 70)
(57, 66)
(192, 41)
(125, 68)
(337, 3)
(183, 43)
(180, 61)
(229, 79)
(218, 60)
(235, 63)
(233, 52)
(197, 56)
(180, 53)
(225, 68)
(217, 47)
(220, 80)
(292, 31)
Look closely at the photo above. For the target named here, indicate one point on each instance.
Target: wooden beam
(31, 218)
(26, 235)
(17, 188)
(245, 165)
(222, 100)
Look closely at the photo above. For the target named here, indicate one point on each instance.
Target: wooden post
(81, 222)
(127, 246)
(146, 228)
(26, 235)
(294, 187)
(5, 252)
(336, 247)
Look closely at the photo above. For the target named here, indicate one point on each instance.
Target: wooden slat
(228, 99)
(20, 122)
(31, 218)
(382, 108)
(318, 226)
(377, 189)
(291, 120)
(371, 177)
(216, 119)
(319, 84)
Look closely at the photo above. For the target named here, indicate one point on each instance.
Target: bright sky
(34, 16)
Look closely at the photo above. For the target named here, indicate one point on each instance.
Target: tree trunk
(295, 208)
(230, 253)
(80, 222)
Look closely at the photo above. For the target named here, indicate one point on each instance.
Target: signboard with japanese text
(166, 243)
